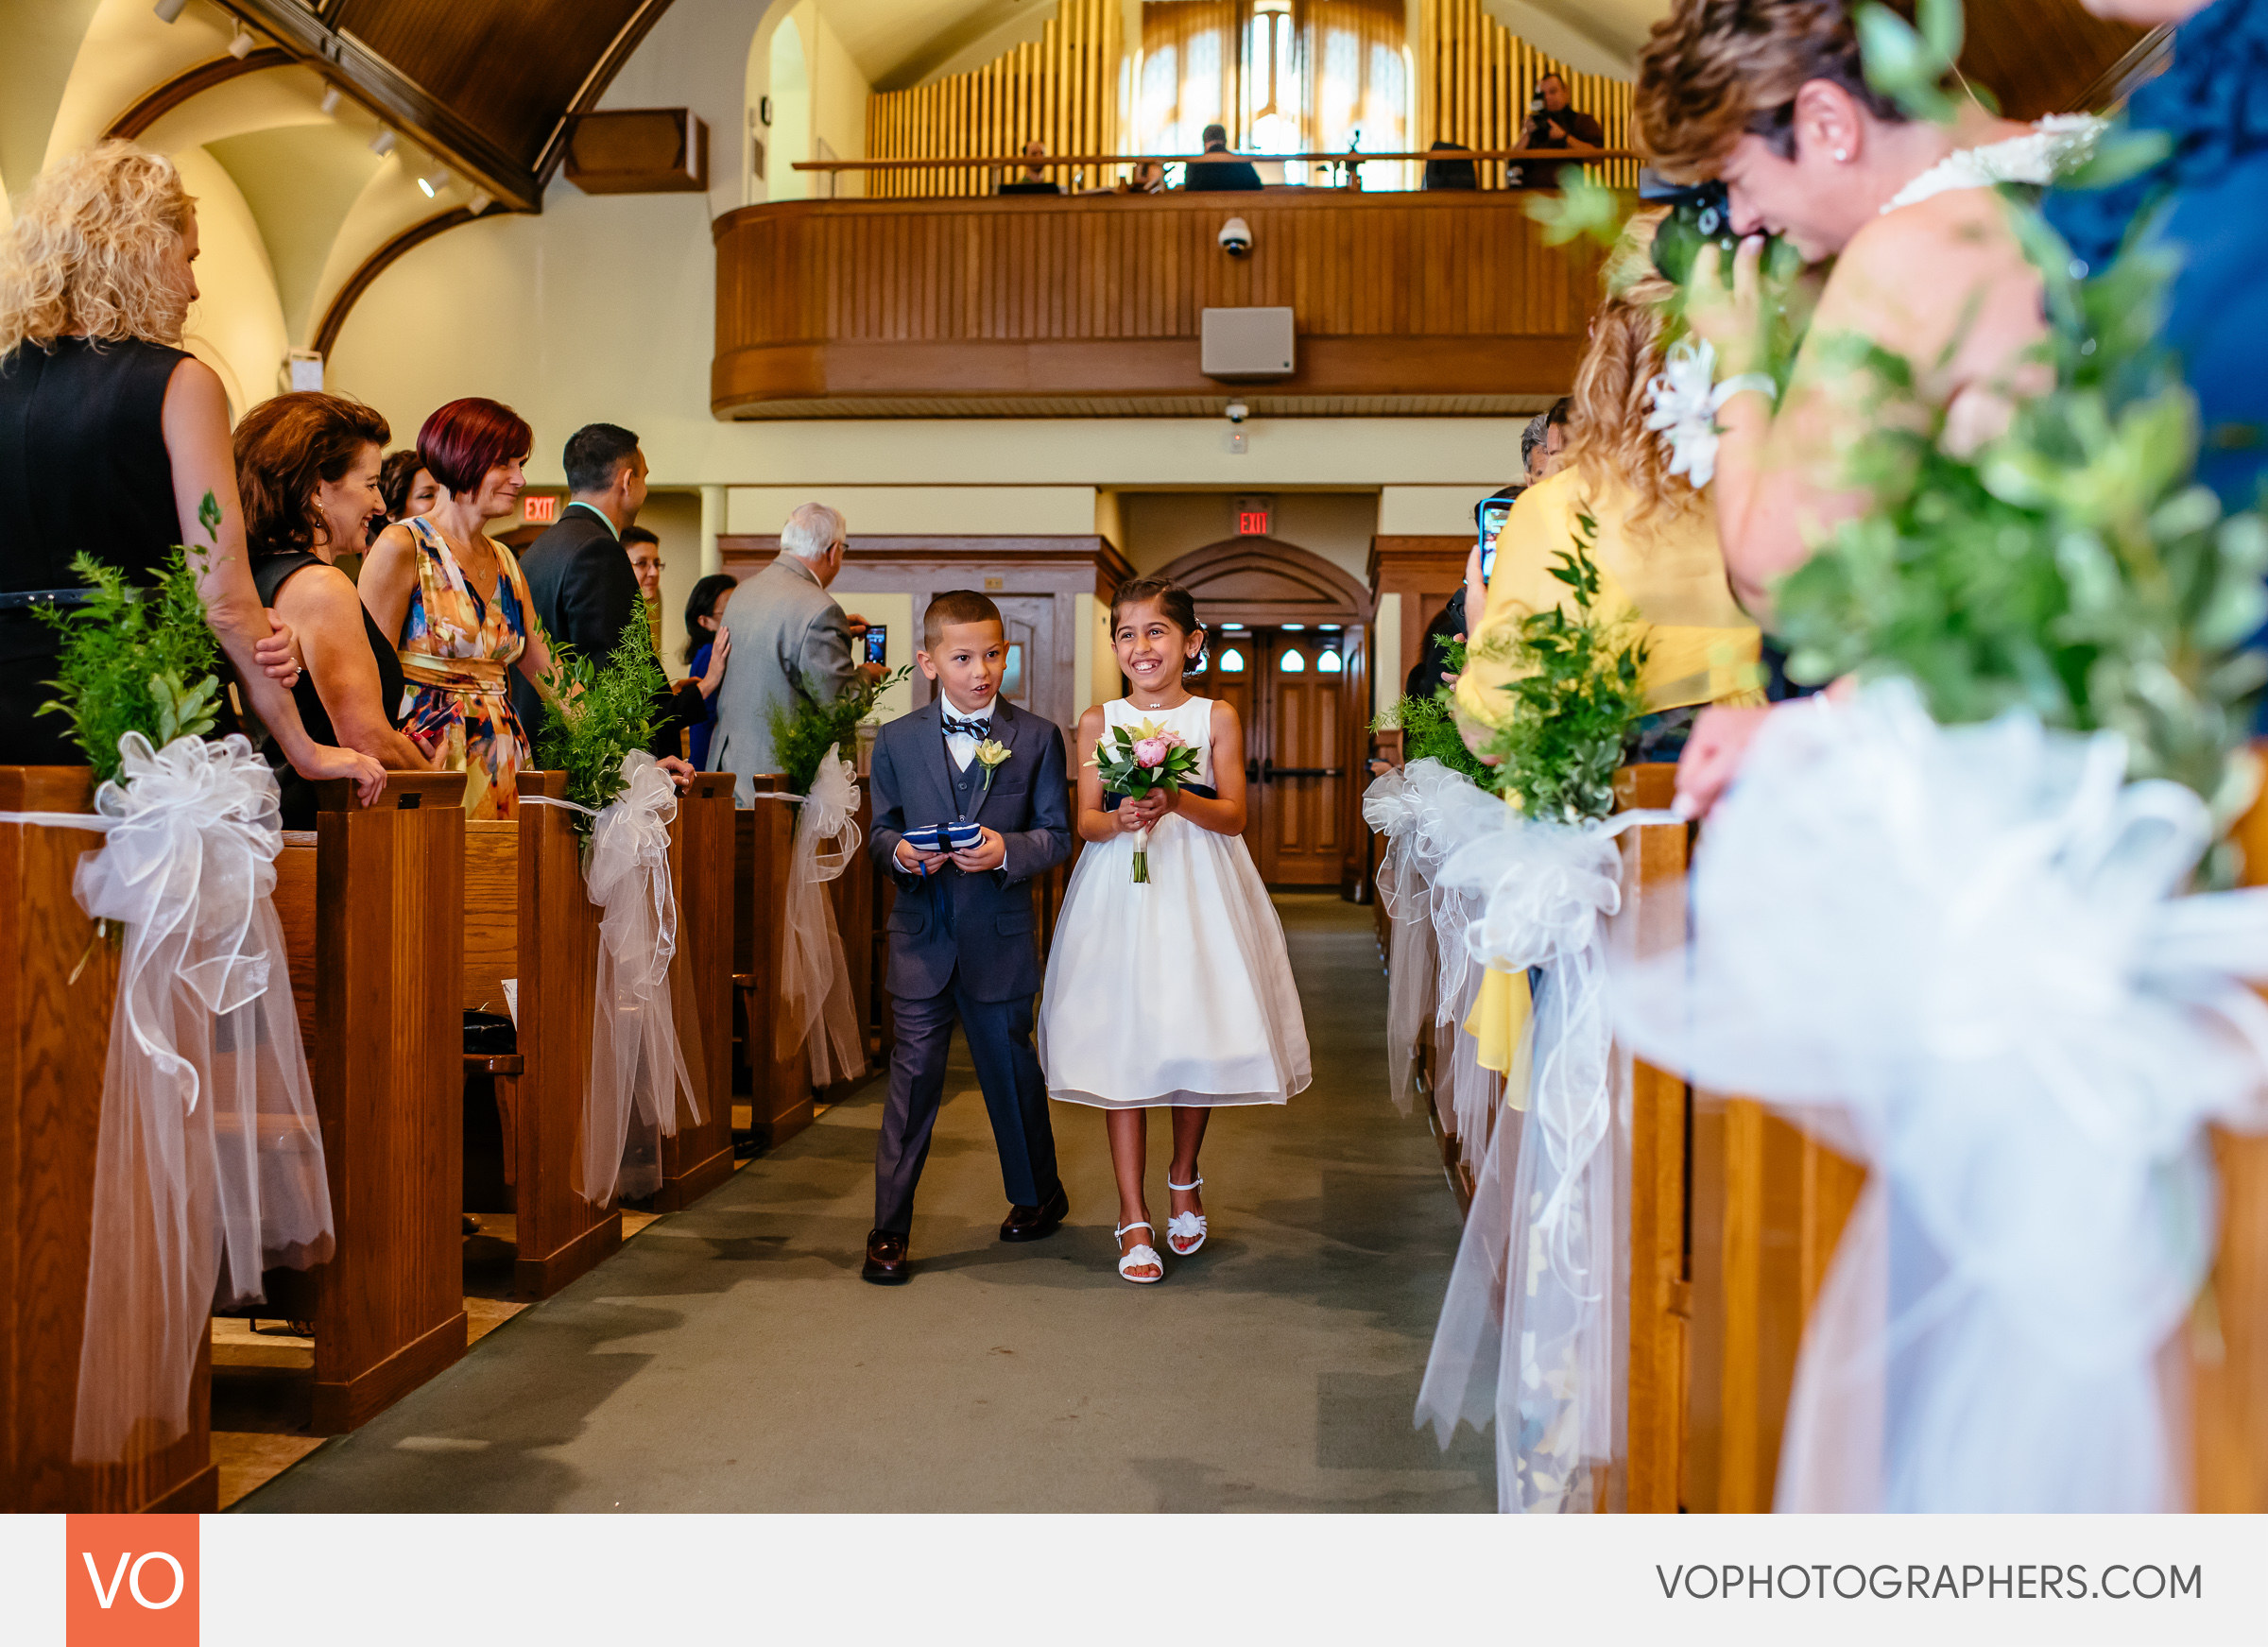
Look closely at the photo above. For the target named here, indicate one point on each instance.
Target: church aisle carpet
(731, 1359)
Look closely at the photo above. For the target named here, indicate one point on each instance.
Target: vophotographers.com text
(1914, 1581)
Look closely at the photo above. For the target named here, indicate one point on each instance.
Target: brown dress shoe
(888, 1262)
(1031, 1223)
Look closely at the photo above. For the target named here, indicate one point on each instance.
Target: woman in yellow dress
(1655, 549)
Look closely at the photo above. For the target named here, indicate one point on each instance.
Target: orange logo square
(130, 1581)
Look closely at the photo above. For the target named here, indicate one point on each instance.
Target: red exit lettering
(538, 509)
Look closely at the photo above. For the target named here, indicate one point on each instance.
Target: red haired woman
(457, 606)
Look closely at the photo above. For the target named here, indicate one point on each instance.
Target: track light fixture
(331, 97)
(434, 181)
(480, 201)
(170, 11)
(383, 144)
(240, 43)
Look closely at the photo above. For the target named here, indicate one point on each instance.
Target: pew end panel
(700, 1157)
(386, 1063)
(1768, 1207)
(57, 1014)
(781, 1103)
(559, 1234)
(1653, 921)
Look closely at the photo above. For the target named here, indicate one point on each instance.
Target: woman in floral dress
(459, 605)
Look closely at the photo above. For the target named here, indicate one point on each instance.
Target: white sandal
(1181, 1225)
(1142, 1254)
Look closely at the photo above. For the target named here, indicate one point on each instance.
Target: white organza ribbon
(639, 1065)
(1528, 1333)
(208, 1158)
(820, 1014)
(1425, 809)
(1966, 955)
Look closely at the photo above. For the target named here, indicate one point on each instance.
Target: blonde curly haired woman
(110, 438)
(1655, 549)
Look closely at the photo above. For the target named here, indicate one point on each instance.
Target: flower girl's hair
(1181, 607)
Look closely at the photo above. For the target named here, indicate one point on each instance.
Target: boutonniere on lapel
(993, 753)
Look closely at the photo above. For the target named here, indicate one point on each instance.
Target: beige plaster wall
(1162, 526)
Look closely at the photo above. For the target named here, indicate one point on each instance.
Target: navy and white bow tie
(957, 727)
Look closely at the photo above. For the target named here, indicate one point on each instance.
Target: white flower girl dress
(1178, 991)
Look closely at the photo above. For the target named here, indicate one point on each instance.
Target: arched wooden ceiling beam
(394, 95)
(594, 84)
(417, 234)
(162, 100)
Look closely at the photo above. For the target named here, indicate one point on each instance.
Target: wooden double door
(1295, 690)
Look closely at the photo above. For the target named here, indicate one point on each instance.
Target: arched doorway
(1290, 650)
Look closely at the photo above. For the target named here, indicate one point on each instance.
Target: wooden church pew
(55, 1017)
(777, 1088)
(526, 915)
(1653, 919)
(1768, 1207)
(369, 902)
(2229, 1331)
(700, 1157)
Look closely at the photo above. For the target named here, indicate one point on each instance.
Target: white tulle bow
(1423, 809)
(1967, 954)
(1527, 1331)
(189, 856)
(640, 1070)
(208, 1158)
(820, 1015)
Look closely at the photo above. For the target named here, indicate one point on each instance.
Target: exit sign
(539, 509)
(1254, 516)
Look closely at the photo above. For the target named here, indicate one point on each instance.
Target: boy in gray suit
(961, 943)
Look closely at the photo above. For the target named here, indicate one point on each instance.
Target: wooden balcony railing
(1403, 303)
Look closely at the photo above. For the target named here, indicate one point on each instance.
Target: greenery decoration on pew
(801, 738)
(136, 661)
(2071, 566)
(1428, 726)
(1578, 694)
(594, 715)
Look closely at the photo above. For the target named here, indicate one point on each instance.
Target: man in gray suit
(791, 646)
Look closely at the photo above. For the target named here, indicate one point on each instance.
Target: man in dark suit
(579, 575)
(961, 931)
(1226, 173)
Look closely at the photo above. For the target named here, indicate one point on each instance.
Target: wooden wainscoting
(1091, 305)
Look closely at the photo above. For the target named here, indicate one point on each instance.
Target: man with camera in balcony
(1553, 125)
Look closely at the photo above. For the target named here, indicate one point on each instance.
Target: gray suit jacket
(790, 647)
(981, 924)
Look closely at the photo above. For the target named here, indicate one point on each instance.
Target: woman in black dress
(111, 437)
(308, 465)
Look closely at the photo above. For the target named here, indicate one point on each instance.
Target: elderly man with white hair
(791, 646)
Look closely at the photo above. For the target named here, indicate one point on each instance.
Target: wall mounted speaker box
(1246, 344)
(639, 151)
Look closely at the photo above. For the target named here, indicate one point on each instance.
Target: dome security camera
(1238, 411)
(1236, 237)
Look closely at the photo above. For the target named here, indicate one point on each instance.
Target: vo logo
(131, 1581)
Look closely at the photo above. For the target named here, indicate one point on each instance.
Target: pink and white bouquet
(1135, 760)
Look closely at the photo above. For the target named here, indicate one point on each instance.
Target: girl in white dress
(1177, 992)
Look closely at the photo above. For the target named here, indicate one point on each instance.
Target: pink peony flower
(1173, 740)
(1152, 751)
